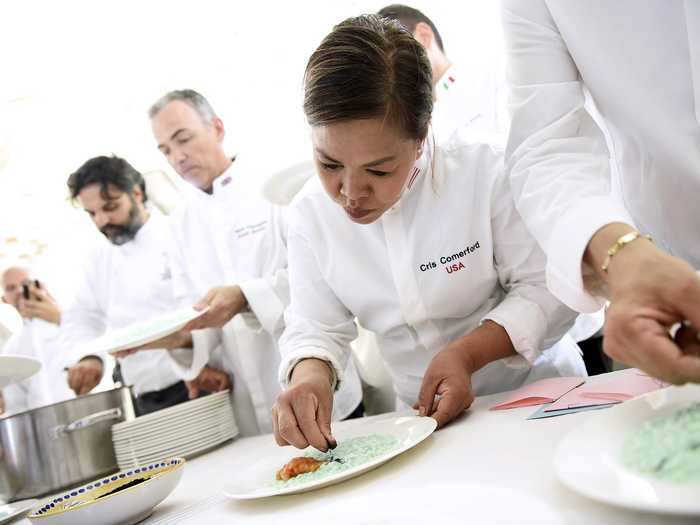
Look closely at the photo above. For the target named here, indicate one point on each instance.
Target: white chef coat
(465, 103)
(123, 285)
(40, 340)
(640, 60)
(452, 253)
(233, 236)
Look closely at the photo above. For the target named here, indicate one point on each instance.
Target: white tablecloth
(487, 467)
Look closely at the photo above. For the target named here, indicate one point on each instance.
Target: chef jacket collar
(446, 83)
(420, 169)
(228, 179)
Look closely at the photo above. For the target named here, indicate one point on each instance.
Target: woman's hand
(446, 391)
(650, 291)
(302, 414)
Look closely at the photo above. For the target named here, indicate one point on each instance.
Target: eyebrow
(368, 165)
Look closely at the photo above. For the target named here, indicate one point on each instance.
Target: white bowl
(97, 503)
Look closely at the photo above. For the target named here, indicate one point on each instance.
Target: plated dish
(363, 445)
(600, 460)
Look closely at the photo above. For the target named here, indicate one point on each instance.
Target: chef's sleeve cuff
(524, 322)
(188, 364)
(264, 303)
(568, 278)
(294, 358)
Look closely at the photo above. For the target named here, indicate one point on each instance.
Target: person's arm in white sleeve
(318, 325)
(533, 318)
(559, 172)
(527, 318)
(315, 348)
(265, 296)
(557, 158)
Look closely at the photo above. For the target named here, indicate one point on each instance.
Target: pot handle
(88, 421)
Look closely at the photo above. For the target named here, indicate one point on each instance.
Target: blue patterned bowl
(124, 498)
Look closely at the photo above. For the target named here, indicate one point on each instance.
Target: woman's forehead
(362, 140)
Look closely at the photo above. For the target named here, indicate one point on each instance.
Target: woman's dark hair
(370, 67)
(106, 171)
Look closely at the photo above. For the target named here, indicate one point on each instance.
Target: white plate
(193, 429)
(127, 461)
(16, 368)
(147, 447)
(174, 421)
(176, 424)
(205, 403)
(12, 511)
(588, 460)
(92, 504)
(258, 481)
(144, 332)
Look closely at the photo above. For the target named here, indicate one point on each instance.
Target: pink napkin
(621, 387)
(540, 392)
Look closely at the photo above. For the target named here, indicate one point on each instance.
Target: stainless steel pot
(61, 445)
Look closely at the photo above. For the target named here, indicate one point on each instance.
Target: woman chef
(421, 243)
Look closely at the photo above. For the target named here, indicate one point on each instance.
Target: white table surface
(486, 467)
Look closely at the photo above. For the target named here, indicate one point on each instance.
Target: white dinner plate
(258, 480)
(186, 452)
(589, 459)
(176, 423)
(147, 447)
(204, 403)
(16, 510)
(188, 429)
(16, 368)
(144, 332)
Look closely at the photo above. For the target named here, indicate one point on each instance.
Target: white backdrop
(78, 77)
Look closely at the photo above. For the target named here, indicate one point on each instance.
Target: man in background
(126, 279)
(229, 248)
(38, 338)
(465, 101)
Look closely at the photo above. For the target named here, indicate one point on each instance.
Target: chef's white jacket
(233, 236)
(465, 103)
(640, 60)
(450, 254)
(123, 285)
(40, 340)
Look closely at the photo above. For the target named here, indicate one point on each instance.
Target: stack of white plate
(183, 430)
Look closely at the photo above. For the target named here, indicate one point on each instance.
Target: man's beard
(119, 234)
